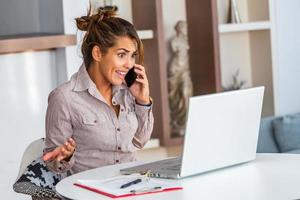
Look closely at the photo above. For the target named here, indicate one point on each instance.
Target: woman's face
(118, 60)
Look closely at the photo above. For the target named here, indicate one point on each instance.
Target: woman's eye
(133, 55)
(121, 55)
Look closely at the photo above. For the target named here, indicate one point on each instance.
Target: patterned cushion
(38, 181)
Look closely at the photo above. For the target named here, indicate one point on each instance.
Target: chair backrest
(33, 151)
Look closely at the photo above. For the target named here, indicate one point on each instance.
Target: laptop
(221, 130)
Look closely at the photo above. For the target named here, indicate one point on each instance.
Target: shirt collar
(83, 80)
(117, 88)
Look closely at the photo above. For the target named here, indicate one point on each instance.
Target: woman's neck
(103, 86)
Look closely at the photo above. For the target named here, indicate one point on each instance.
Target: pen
(136, 181)
(143, 190)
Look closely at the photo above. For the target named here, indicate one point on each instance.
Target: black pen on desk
(136, 181)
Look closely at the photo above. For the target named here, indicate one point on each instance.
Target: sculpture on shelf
(234, 15)
(236, 83)
(104, 4)
(108, 4)
(179, 81)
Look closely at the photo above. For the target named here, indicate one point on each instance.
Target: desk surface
(270, 176)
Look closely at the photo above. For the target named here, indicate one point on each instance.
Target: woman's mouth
(121, 73)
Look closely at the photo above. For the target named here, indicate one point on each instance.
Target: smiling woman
(95, 119)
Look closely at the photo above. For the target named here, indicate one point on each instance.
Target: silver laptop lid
(221, 130)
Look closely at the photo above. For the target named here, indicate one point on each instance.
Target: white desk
(270, 176)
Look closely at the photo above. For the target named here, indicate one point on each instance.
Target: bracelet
(147, 105)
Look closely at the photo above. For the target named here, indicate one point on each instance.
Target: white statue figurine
(179, 81)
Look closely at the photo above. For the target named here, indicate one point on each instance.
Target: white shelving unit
(145, 34)
(247, 47)
(250, 26)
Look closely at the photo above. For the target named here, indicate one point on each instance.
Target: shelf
(145, 34)
(174, 141)
(250, 26)
(34, 42)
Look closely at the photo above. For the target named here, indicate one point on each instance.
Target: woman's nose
(129, 64)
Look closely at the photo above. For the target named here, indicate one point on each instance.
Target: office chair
(33, 151)
(34, 178)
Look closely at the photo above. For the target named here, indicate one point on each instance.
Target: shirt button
(95, 121)
(118, 129)
(122, 109)
(114, 103)
(119, 148)
(117, 161)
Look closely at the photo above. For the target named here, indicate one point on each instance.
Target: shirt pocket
(93, 120)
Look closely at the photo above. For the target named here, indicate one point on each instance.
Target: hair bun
(106, 12)
(83, 23)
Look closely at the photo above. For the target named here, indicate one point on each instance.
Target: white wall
(70, 58)
(286, 64)
(26, 80)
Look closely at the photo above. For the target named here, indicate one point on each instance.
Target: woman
(95, 111)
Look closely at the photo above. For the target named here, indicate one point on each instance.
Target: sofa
(279, 134)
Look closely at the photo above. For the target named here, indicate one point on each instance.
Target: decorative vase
(234, 15)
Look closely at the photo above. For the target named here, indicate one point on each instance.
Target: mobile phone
(130, 77)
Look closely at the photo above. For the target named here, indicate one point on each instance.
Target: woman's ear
(96, 53)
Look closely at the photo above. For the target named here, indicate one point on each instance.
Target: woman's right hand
(62, 152)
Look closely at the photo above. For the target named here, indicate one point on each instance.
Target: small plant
(236, 83)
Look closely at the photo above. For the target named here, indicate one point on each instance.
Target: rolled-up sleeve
(145, 125)
(58, 129)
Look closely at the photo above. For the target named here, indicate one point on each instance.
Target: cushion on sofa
(266, 141)
(296, 151)
(287, 132)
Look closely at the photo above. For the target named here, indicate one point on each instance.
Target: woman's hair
(102, 30)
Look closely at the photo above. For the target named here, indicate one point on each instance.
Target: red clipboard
(126, 195)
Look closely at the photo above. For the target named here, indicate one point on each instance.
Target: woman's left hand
(140, 88)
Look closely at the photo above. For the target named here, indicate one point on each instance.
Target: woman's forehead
(126, 43)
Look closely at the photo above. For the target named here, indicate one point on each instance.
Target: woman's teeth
(121, 73)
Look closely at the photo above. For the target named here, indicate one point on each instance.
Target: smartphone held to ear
(130, 77)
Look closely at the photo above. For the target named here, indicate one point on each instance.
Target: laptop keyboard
(161, 168)
(173, 167)
(170, 164)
